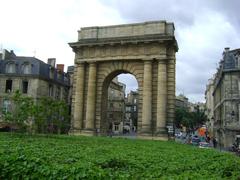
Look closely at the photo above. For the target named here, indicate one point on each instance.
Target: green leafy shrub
(66, 157)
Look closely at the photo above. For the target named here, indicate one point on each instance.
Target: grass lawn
(67, 157)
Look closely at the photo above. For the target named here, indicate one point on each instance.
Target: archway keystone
(145, 50)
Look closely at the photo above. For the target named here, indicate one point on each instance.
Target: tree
(188, 119)
(46, 115)
(199, 116)
(51, 116)
(181, 117)
(21, 111)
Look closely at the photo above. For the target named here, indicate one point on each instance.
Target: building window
(134, 108)
(238, 113)
(50, 90)
(110, 115)
(24, 87)
(51, 73)
(58, 92)
(26, 68)
(59, 76)
(135, 101)
(111, 105)
(66, 79)
(8, 86)
(6, 105)
(10, 68)
(116, 127)
(65, 93)
(239, 87)
(238, 61)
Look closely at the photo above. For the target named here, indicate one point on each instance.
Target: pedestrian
(208, 139)
(214, 140)
(110, 130)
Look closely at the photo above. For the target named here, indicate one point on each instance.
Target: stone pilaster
(147, 98)
(91, 97)
(161, 97)
(239, 114)
(78, 99)
(171, 90)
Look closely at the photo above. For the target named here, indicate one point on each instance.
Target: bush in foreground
(64, 157)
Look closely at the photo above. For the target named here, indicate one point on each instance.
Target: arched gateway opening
(145, 50)
(119, 114)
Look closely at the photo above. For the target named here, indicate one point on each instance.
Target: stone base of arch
(160, 134)
(88, 133)
(74, 132)
(147, 137)
(83, 132)
(163, 136)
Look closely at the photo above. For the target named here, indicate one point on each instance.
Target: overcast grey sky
(203, 29)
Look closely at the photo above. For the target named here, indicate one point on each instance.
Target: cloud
(203, 29)
(200, 50)
(46, 27)
(130, 81)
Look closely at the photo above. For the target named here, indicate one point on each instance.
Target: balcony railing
(115, 109)
(115, 98)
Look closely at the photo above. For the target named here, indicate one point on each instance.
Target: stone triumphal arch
(145, 50)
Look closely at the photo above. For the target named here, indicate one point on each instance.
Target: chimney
(52, 61)
(60, 67)
(226, 49)
(70, 69)
(6, 54)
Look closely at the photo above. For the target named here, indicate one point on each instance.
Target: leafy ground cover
(65, 157)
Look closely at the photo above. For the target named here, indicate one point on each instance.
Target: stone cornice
(119, 52)
(117, 58)
(159, 38)
(79, 61)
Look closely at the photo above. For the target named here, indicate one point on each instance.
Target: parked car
(236, 145)
(204, 145)
(195, 140)
(178, 134)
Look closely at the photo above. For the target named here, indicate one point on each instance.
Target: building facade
(116, 106)
(131, 111)
(32, 77)
(210, 104)
(181, 101)
(226, 97)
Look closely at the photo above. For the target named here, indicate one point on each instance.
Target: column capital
(162, 58)
(147, 61)
(147, 58)
(162, 61)
(92, 63)
(79, 62)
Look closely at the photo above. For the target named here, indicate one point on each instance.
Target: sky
(203, 28)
